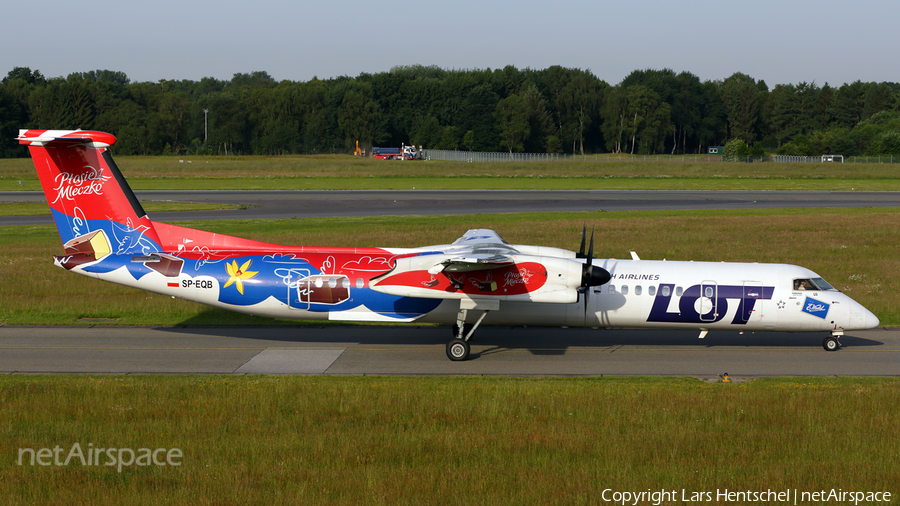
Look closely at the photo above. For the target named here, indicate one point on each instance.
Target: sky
(780, 42)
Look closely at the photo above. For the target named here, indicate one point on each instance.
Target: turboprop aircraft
(479, 278)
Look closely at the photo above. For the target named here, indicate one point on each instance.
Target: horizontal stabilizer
(65, 138)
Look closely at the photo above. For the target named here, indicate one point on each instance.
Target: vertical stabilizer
(86, 191)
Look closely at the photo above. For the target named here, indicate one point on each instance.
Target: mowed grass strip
(856, 250)
(317, 172)
(445, 441)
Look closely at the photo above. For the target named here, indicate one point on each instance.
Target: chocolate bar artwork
(84, 249)
(167, 265)
(324, 289)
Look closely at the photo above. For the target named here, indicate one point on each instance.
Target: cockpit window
(822, 284)
(801, 284)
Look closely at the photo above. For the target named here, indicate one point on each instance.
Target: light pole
(205, 125)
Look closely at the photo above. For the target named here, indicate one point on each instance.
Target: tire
(831, 343)
(457, 350)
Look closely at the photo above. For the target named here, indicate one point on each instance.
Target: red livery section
(506, 280)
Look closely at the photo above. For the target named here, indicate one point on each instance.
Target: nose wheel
(831, 343)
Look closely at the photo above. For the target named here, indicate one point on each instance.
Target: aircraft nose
(861, 318)
(871, 320)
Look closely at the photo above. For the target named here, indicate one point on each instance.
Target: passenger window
(678, 291)
(666, 291)
(624, 289)
(345, 283)
(637, 290)
(612, 288)
(651, 291)
(332, 283)
(360, 283)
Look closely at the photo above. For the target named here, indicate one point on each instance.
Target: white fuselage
(641, 294)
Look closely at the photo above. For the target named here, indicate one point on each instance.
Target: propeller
(591, 275)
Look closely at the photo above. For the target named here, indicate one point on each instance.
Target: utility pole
(205, 125)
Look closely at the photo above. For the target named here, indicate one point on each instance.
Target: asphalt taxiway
(311, 204)
(419, 350)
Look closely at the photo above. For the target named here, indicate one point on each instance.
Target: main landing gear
(458, 347)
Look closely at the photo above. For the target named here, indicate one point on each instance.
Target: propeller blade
(587, 295)
(580, 253)
(590, 254)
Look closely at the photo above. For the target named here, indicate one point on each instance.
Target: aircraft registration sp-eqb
(478, 278)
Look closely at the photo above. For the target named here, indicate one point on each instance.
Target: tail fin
(90, 200)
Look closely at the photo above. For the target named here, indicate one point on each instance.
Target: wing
(481, 265)
(477, 249)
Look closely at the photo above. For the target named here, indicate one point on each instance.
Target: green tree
(512, 115)
(426, 131)
(879, 97)
(469, 140)
(26, 75)
(358, 117)
(477, 116)
(784, 113)
(647, 119)
(173, 119)
(740, 94)
(888, 143)
(847, 107)
(736, 150)
(450, 138)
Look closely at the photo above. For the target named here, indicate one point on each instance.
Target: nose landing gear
(831, 342)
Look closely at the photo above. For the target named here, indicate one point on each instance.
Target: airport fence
(847, 159)
(478, 156)
(873, 159)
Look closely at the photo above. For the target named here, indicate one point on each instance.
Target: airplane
(478, 278)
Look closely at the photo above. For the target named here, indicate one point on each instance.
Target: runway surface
(307, 204)
(412, 350)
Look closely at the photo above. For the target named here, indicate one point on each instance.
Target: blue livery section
(127, 238)
(249, 280)
(816, 307)
(714, 297)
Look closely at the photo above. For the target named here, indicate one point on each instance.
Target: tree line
(555, 110)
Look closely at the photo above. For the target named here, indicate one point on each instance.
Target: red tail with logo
(86, 191)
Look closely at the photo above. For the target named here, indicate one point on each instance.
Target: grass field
(856, 250)
(445, 441)
(348, 172)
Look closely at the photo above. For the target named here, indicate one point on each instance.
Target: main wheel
(457, 350)
(831, 343)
